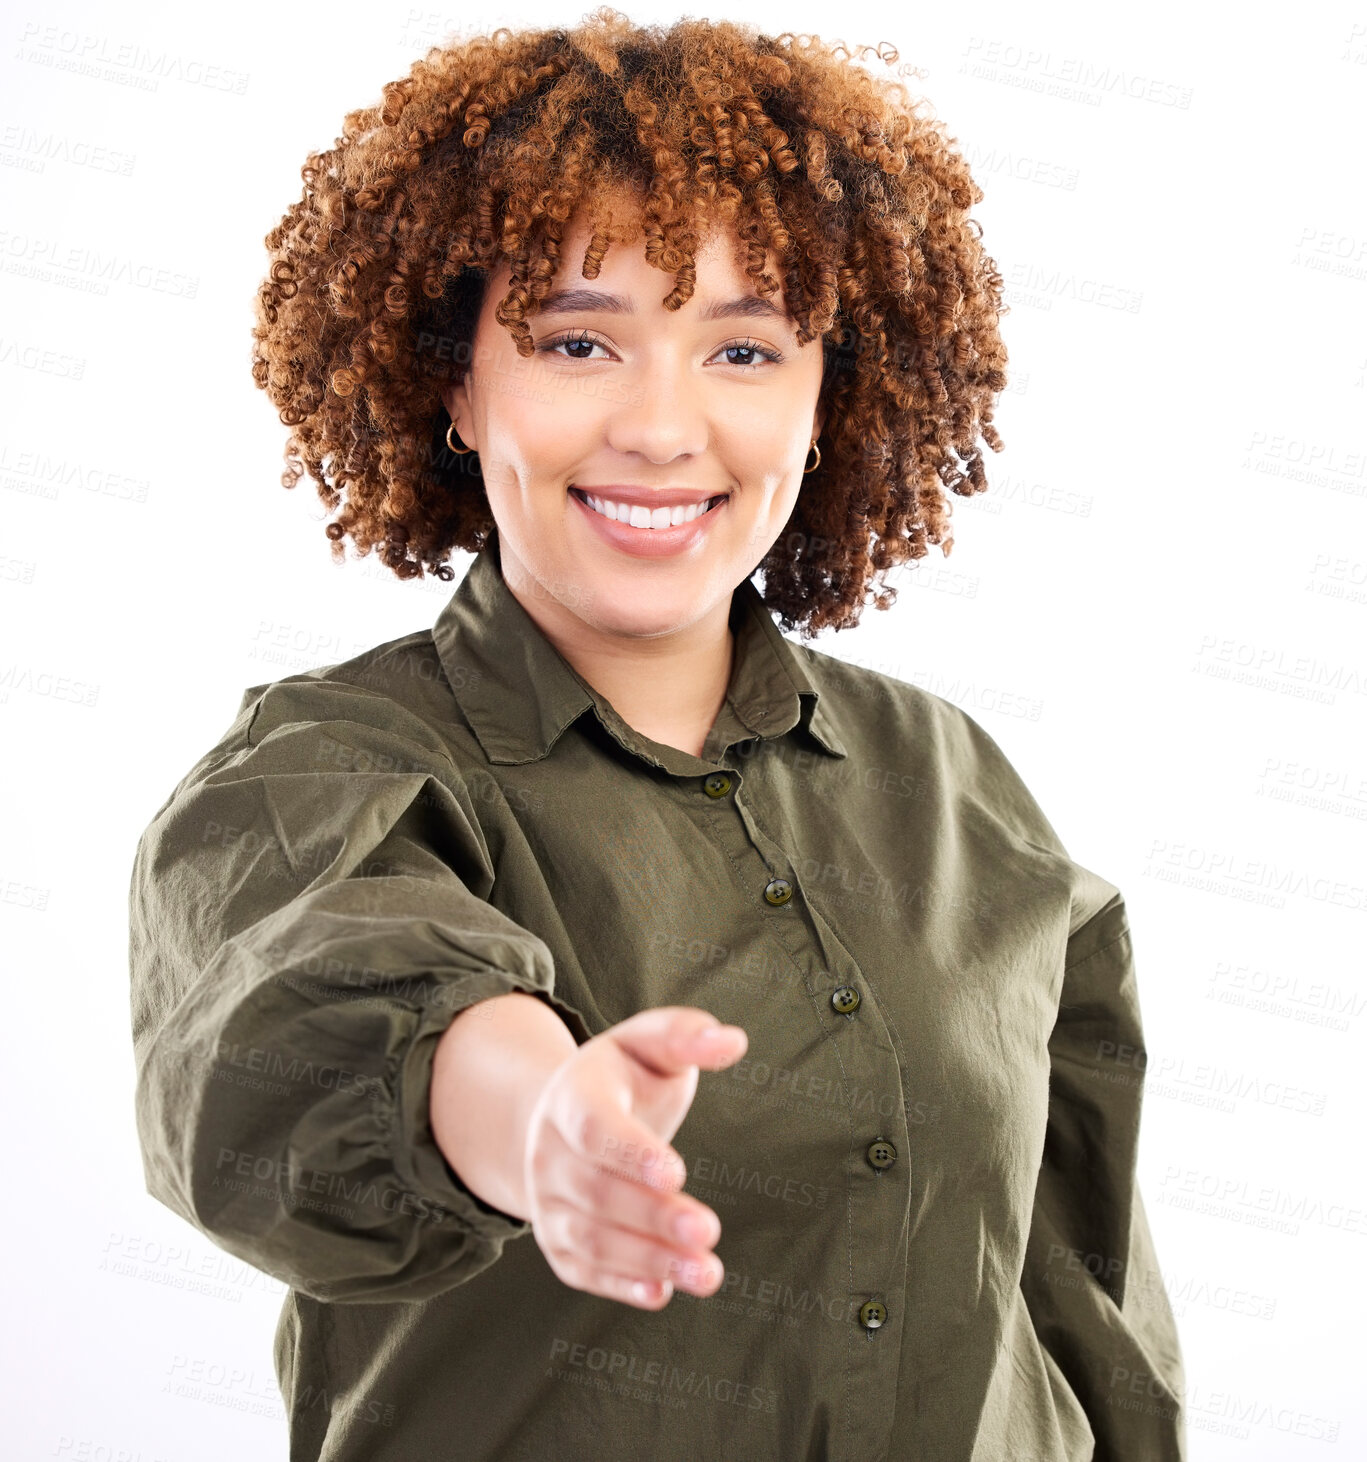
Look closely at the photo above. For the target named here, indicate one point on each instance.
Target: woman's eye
(747, 348)
(560, 340)
(751, 348)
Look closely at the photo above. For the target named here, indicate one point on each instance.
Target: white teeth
(642, 517)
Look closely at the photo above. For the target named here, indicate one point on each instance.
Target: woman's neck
(669, 688)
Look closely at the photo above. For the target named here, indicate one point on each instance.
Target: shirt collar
(520, 694)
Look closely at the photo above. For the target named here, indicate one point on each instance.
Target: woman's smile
(644, 532)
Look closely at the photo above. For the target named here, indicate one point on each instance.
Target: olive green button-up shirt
(924, 1165)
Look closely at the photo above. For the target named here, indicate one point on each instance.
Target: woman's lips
(649, 542)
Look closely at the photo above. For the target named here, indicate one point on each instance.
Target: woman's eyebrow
(565, 301)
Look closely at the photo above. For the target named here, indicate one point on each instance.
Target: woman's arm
(490, 1067)
(308, 915)
(1091, 1277)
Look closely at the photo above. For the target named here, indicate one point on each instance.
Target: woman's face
(624, 399)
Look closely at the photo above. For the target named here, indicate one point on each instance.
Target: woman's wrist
(490, 1066)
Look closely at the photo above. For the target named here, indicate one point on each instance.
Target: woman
(430, 950)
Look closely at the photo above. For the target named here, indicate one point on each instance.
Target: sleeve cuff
(420, 1164)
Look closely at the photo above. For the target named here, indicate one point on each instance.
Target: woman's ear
(456, 399)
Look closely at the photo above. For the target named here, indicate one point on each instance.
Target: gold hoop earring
(815, 464)
(459, 451)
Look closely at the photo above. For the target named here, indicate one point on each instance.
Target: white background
(1158, 611)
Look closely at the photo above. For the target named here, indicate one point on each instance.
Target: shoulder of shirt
(878, 715)
(879, 712)
(397, 687)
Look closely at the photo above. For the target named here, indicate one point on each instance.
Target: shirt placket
(871, 1110)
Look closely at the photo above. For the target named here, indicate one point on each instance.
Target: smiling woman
(431, 951)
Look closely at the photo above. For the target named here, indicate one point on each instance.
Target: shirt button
(882, 1154)
(872, 1313)
(845, 999)
(717, 785)
(778, 890)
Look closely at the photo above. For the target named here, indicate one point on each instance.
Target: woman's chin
(624, 616)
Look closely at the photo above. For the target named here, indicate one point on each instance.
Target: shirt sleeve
(308, 913)
(1091, 1279)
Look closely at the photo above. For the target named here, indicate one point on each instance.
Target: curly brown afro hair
(480, 155)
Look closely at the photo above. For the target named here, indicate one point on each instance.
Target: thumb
(670, 1039)
(664, 1048)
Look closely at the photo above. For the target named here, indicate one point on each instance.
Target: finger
(600, 1132)
(677, 1219)
(572, 1235)
(668, 1039)
(643, 1294)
